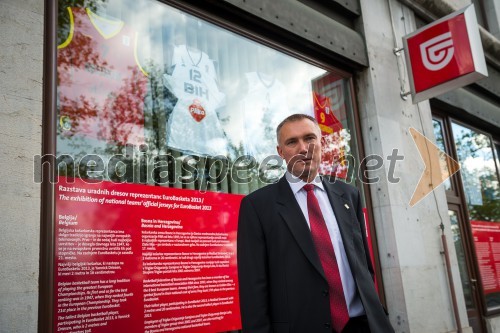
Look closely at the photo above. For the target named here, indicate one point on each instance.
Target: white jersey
(263, 108)
(193, 125)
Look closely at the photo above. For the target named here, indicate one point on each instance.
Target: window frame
(447, 117)
(248, 26)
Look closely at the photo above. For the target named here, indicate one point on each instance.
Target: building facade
(123, 113)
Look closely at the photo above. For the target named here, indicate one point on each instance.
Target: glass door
(469, 284)
(480, 181)
(460, 231)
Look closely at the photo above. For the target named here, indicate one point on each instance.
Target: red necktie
(326, 253)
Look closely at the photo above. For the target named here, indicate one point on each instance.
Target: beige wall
(21, 48)
(413, 270)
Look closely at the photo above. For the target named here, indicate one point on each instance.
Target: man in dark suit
(303, 261)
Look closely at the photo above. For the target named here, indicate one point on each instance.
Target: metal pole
(450, 281)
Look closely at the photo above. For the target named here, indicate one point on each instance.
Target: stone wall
(21, 59)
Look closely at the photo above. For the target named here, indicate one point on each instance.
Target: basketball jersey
(193, 125)
(101, 86)
(263, 107)
(323, 112)
(333, 153)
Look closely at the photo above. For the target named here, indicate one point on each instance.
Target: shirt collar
(296, 183)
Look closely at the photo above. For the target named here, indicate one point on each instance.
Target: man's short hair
(292, 118)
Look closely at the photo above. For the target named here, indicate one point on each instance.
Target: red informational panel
(445, 55)
(487, 243)
(149, 259)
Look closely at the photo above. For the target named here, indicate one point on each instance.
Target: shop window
(479, 173)
(165, 121)
(158, 96)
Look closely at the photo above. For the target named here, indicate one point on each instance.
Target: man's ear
(280, 152)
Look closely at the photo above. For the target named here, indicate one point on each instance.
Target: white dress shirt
(354, 305)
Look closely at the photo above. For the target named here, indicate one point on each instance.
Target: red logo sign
(197, 111)
(440, 53)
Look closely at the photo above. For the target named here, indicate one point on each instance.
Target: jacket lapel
(342, 209)
(290, 210)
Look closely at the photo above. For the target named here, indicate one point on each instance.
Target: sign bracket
(402, 93)
(397, 51)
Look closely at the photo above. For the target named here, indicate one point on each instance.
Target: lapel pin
(346, 206)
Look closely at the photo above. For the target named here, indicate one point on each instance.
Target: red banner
(333, 160)
(138, 258)
(487, 243)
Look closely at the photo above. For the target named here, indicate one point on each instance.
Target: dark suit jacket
(282, 284)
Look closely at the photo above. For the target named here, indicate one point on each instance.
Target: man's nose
(304, 147)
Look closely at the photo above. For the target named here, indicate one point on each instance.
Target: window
(165, 121)
(482, 193)
(158, 96)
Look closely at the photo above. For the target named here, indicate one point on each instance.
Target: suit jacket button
(325, 292)
(327, 325)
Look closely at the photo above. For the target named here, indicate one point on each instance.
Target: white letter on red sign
(437, 52)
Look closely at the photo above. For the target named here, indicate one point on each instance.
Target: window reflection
(172, 100)
(479, 175)
(462, 264)
(149, 94)
(481, 187)
(101, 93)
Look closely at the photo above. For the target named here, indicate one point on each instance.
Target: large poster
(150, 94)
(487, 243)
(137, 258)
